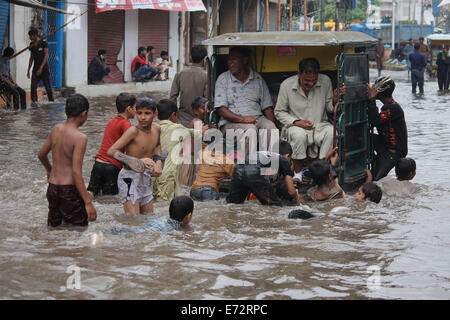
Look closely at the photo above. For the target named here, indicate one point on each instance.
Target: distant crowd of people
(144, 66)
(417, 56)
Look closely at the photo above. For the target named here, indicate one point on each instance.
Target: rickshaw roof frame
(438, 37)
(292, 38)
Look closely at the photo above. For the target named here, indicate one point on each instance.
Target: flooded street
(244, 251)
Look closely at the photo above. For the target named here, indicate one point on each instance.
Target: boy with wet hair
(198, 107)
(405, 171)
(327, 187)
(106, 169)
(67, 196)
(180, 214)
(141, 143)
(259, 174)
(173, 137)
(369, 191)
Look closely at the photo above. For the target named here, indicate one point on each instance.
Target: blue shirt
(157, 225)
(418, 60)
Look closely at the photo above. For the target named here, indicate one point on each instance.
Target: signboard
(170, 5)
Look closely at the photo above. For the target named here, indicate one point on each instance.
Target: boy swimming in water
(327, 186)
(369, 191)
(68, 199)
(405, 170)
(180, 214)
(141, 143)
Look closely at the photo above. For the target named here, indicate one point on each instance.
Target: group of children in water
(139, 163)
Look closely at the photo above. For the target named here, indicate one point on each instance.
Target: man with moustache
(303, 102)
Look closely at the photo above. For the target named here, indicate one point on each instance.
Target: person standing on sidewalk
(39, 61)
(418, 64)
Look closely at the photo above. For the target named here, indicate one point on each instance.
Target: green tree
(357, 14)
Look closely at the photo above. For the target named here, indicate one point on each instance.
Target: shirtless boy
(67, 196)
(141, 143)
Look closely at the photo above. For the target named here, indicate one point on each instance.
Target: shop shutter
(154, 30)
(106, 30)
(4, 13)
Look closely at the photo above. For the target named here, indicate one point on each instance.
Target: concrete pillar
(173, 42)
(20, 24)
(131, 41)
(76, 46)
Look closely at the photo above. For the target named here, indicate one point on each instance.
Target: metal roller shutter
(106, 30)
(154, 30)
(4, 14)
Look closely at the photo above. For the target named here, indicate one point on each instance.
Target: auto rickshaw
(435, 41)
(342, 56)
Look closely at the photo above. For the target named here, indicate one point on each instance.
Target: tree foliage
(357, 14)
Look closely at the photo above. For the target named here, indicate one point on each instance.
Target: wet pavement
(229, 251)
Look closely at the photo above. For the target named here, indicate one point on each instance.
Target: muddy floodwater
(398, 249)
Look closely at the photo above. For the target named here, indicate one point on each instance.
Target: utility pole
(336, 22)
(322, 14)
(421, 17)
(393, 28)
(290, 16)
(409, 13)
(279, 15)
(305, 12)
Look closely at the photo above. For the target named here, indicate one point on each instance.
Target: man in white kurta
(303, 102)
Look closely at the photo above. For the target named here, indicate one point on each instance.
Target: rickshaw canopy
(293, 38)
(438, 37)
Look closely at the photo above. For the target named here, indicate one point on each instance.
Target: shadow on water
(229, 251)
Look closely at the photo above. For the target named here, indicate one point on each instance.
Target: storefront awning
(36, 4)
(170, 5)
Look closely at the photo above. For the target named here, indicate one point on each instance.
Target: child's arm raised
(42, 155)
(291, 189)
(77, 175)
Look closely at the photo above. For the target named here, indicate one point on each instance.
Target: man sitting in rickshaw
(243, 100)
(303, 102)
